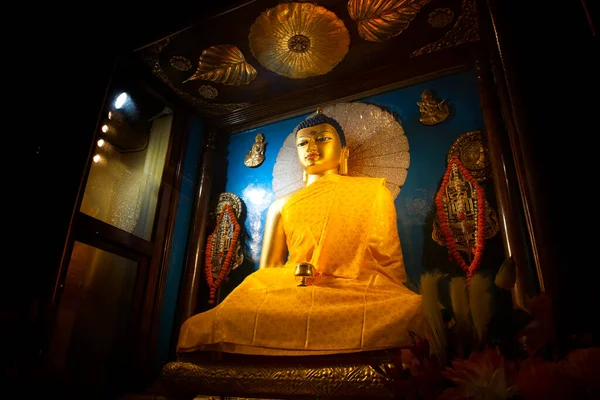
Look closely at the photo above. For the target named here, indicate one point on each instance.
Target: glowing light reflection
(257, 201)
(120, 100)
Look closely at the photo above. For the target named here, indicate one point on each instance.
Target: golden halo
(376, 140)
(299, 40)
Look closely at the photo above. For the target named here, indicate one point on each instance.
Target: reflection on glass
(124, 179)
(89, 342)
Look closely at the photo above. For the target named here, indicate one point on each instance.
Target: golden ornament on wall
(465, 29)
(256, 154)
(431, 111)
(464, 219)
(180, 63)
(208, 91)
(472, 151)
(380, 20)
(440, 17)
(299, 40)
(223, 246)
(224, 64)
(151, 54)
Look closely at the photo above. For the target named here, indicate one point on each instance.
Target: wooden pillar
(505, 183)
(515, 72)
(516, 60)
(503, 68)
(192, 274)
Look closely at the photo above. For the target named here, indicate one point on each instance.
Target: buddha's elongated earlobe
(343, 170)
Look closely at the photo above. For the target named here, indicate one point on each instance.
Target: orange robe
(346, 227)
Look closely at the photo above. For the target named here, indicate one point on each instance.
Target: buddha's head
(321, 145)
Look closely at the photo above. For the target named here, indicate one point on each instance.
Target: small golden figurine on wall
(432, 111)
(256, 154)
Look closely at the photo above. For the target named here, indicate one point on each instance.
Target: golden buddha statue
(345, 228)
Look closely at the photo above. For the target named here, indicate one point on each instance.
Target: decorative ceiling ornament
(299, 40)
(180, 63)
(440, 17)
(473, 153)
(208, 91)
(376, 141)
(150, 55)
(256, 154)
(380, 20)
(464, 219)
(431, 111)
(223, 247)
(464, 30)
(224, 64)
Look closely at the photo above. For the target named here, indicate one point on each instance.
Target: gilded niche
(299, 40)
(224, 64)
(380, 20)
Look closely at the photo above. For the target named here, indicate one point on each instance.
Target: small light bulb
(121, 99)
(96, 158)
(110, 115)
(105, 128)
(101, 142)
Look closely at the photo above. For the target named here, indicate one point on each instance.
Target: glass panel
(89, 342)
(124, 180)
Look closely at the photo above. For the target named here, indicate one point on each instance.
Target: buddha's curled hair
(320, 118)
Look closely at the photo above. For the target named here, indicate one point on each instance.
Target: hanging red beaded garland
(442, 214)
(214, 284)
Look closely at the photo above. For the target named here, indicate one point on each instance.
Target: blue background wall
(429, 146)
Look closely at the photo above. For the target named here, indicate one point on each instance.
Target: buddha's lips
(312, 156)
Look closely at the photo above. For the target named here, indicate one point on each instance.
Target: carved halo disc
(376, 141)
(473, 152)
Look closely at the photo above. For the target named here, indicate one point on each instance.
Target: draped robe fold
(346, 227)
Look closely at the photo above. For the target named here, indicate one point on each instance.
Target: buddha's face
(319, 149)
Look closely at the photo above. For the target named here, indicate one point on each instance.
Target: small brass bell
(303, 272)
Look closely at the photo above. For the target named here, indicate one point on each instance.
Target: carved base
(282, 379)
